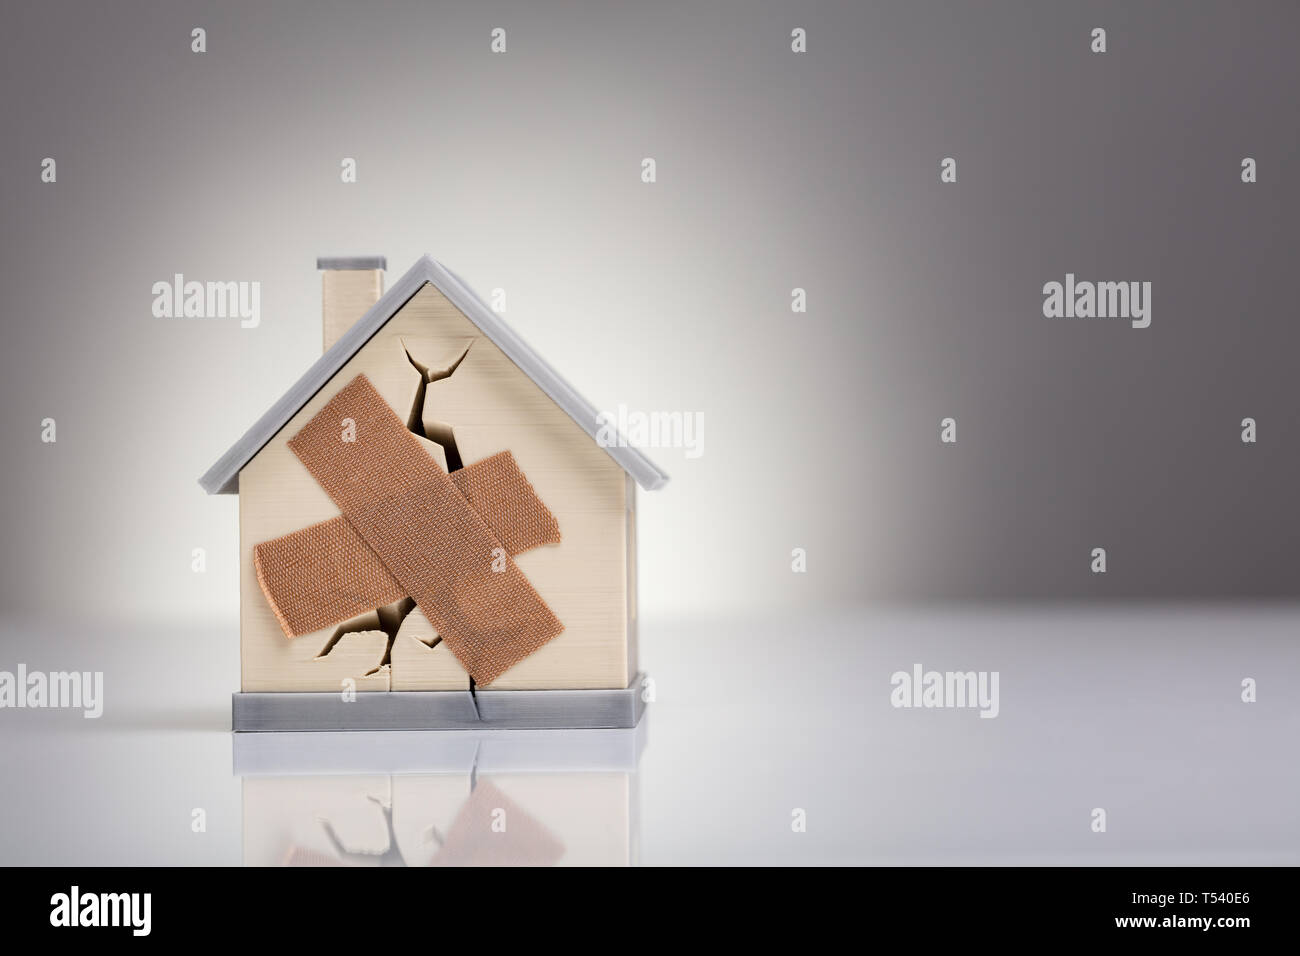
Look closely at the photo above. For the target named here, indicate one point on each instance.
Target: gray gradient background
(776, 170)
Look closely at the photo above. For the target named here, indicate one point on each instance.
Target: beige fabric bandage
(506, 501)
(411, 514)
(326, 573)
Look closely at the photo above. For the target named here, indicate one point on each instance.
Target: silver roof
(223, 477)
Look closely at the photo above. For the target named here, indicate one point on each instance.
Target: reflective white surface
(1137, 711)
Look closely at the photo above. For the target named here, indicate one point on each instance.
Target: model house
(428, 509)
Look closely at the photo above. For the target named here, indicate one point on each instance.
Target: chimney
(350, 285)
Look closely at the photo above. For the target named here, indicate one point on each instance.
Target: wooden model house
(507, 549)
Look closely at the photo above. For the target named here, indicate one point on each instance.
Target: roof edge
(223, 477)
(632, 460)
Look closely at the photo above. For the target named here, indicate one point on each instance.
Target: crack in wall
(338, 636)
(440, 432)
(390, 622)
(387, 619)
(473, 699)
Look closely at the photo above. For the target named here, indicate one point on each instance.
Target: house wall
(629, 537)
(487, 405)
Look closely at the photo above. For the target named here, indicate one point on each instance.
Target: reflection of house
(467, 389)
(521, 798)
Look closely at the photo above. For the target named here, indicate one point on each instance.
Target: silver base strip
(439, 710)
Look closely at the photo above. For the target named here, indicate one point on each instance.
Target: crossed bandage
(410, 529)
